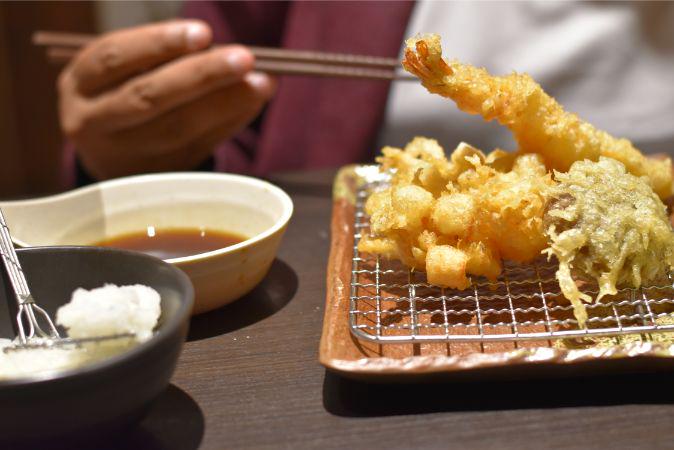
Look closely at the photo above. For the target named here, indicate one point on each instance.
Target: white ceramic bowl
(224, 202)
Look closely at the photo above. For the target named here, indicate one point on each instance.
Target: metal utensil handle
(28, 309)
(66, 342)
(14, 270)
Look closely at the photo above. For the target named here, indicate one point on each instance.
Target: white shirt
(611, 63)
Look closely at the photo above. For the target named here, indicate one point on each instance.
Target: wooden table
(249, 378)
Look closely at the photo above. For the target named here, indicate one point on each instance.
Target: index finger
(121, 54)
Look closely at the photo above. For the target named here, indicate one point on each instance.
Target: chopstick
(62, 47)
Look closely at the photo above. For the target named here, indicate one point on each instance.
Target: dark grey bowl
(108, 395)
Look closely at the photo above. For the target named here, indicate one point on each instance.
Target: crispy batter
(463, 216)
(459, 216)
(617, 232)
(539, 124)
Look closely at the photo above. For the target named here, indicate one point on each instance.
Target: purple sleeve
(246, 22)
(255, 23)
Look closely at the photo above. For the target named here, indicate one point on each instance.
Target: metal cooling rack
(391, 304)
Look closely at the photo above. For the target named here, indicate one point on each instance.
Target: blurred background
(612, 63)
(30, 138)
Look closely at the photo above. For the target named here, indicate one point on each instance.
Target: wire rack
(391, 304)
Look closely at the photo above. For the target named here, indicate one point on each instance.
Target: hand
(154, 98)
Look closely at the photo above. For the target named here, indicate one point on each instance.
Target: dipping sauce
(173, 242)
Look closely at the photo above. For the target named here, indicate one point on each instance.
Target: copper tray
(343, 353)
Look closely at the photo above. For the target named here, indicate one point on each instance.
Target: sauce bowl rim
(286, 204)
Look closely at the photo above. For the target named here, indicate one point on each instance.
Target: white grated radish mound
(103, 311)
(110, 310)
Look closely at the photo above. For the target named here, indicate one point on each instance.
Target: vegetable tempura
(617, 232)
(460, 216)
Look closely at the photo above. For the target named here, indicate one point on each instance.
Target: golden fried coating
(459, 216)
(538, 123)
(615, 231)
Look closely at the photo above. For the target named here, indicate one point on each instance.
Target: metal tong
(28, 309)
(30, 314)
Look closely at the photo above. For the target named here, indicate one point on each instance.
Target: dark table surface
(249, 377)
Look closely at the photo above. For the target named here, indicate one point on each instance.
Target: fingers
(228, 109)
(181, 138)
(118, 55)
(148, 96)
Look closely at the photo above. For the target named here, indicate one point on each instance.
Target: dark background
(30, 139)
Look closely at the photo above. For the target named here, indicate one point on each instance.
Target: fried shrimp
(539, 124)
(458, 217)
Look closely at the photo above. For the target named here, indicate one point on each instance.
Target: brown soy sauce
(173, 242)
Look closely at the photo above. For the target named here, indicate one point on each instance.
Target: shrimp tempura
(539, 124)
